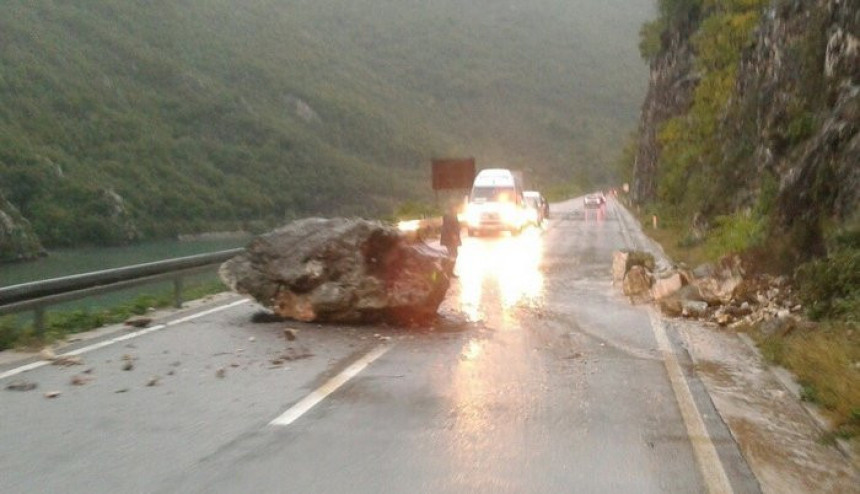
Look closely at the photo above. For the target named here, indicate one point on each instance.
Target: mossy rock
(640, 258)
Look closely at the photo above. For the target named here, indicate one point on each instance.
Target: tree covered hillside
(124, 120)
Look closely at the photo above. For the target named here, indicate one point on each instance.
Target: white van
(496, 203)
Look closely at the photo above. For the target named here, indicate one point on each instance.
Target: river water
(67, 262)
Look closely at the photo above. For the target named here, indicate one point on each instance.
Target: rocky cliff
(17, 240)
(786, 134)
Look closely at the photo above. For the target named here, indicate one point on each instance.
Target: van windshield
(493, 194)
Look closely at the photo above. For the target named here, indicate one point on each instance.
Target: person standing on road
(450, 237)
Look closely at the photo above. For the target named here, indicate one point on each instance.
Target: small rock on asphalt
(47, 354)
(153, 381)
(290, 334)
(78, 380)
(21, 386)
(221, 373)
(67, 361)
(138, 321)
(52, 394)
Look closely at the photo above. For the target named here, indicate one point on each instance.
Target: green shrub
(736, 233)
(9, 332)
(830, 287)
(60, 324)
(650, 41)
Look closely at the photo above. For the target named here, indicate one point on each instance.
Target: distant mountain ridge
(128, 120)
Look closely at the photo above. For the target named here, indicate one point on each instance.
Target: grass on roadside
(61, 324)
(673, 237)
(826, 363)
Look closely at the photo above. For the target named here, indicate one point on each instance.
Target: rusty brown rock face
(341, 270)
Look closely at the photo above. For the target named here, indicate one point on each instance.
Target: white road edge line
(127, 336)
(706, 453)
(311, 400)
(709, 461)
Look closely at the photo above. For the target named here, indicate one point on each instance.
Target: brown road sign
(453, 173)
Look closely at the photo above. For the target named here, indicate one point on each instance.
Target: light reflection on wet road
(500, 273)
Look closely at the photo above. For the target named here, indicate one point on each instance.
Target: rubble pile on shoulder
(721, 293)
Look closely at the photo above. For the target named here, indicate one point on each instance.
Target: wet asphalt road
(539, 377)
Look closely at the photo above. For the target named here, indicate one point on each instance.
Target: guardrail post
(39, 321)
(177, 292)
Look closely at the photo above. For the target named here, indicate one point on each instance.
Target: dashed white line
(127, 336)
(311, 400)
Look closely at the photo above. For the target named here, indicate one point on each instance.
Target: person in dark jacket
(450, 237)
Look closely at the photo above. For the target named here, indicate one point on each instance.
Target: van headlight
(473, 216)
(511, 216)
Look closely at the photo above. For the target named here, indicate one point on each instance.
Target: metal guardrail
(38, 295)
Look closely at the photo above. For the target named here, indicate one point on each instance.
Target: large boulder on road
(341, 270)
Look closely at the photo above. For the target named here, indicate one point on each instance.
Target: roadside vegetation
(708, 153)
(18, 331)
(825, 356)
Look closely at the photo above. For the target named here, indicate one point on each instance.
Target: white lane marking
(311, 400)
(127, 336)
(706, 453)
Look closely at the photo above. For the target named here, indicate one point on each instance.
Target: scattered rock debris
(21, 386)
(153, 381)
(67, 361)
(221, 373)
(290, 355)
(79, 380)
(138, 321)
(128, 362)
(123, 390)
(53, 394)
(47, 353)
(290, 334)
